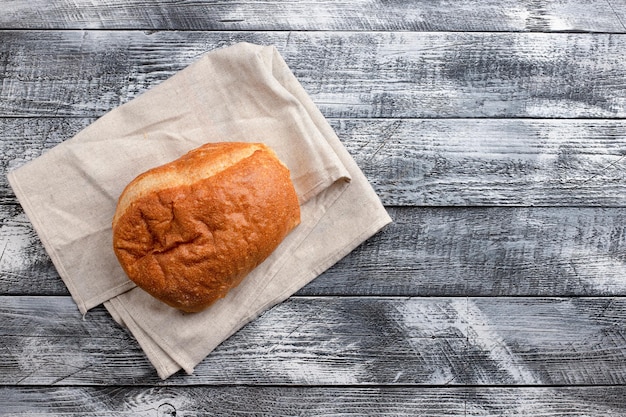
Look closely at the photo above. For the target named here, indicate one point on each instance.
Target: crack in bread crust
(189, 244)
(200, 163)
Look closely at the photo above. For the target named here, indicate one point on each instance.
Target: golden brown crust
(192, 229)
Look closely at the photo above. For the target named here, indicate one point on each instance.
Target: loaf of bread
(189, 231)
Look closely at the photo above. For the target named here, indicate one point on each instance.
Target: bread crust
(189, 231)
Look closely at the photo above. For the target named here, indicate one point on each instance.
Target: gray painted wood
(348, 74)
(487, 252)
(495, 251)
(497, 291)
(371, 15)
(315, 401)
(504, 162)
(421, 162)
(343, 341)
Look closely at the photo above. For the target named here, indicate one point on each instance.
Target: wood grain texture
(434, 162)
(371, 15)
(486, 252)
(603, 401)
(478, 162)
(348, 74)
(493, 131)
(338, 341)
(25, 267)
(425, 251)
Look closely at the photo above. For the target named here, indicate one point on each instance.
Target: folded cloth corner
(243, 92)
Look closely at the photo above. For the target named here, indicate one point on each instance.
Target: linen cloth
(243, 92)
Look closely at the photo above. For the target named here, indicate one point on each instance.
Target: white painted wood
(487, 252)
(348, 74)
(464, 115)
(347, 341)
(425, 15)
(478, 162)
(425, 251)
(435, 162)
(315, 401)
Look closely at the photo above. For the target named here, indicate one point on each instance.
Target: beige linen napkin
(243, 92)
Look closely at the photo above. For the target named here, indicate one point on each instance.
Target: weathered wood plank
(491, 162)
(434, 162)
(506, 15)
(25, 267)
(339, 341)
(314, 401)
(425, 251)
(348, 74)
(487, 252)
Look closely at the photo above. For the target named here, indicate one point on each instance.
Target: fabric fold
(244, 92)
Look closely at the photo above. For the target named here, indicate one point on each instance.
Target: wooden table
(494, 132)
